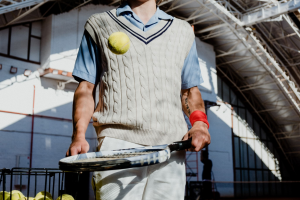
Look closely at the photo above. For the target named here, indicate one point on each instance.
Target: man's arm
(191, 101)
(83, 108)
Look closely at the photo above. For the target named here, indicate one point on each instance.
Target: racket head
(146, 156)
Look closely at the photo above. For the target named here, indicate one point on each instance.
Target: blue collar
(159, 14)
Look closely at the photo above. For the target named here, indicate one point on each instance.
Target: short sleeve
(87, 66)
(191, 74)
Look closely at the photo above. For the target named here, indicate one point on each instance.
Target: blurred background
(249, 58)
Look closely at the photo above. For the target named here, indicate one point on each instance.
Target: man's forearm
(83, 108)
(191, 100)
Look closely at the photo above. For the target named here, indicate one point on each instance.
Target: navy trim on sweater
(138, 36)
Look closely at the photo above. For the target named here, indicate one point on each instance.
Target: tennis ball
(118, 43)
(18, 193)
(65, 197)
(6, 195)
(15, 197)
(42, 198)
(42, 194)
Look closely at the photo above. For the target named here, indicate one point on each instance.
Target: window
(255, 157)
(21, 42)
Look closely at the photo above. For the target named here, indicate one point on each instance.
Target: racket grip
(182, 145)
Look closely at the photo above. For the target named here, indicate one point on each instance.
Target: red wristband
(198, 116)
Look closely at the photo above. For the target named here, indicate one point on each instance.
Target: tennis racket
(123, 158)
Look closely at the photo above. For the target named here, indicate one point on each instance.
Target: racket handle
(182, 145)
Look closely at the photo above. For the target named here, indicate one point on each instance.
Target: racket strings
(113, 157)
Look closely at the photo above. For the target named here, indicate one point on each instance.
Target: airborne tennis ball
(20, 194)
(42, 194)
(118, 43)
(6, 195)
(65, 197)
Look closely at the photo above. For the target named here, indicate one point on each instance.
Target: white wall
(207, 61)
(51, 137)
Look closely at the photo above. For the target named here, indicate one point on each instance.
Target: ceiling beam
(26, 13)
(20, 5)
(211, 28)
(82, 4)
(165, 2)
(288, 137)
(267, 13)
(293, 152)
(180, 5)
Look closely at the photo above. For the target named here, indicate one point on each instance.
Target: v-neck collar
(145, 37)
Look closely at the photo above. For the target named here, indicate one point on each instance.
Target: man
(139, 97)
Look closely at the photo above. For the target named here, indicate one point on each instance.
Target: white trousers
(165, 181)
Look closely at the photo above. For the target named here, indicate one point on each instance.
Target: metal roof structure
(257, 43)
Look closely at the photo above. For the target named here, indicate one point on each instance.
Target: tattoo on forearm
(187, 106)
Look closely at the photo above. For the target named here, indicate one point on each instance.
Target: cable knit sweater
(140, 90)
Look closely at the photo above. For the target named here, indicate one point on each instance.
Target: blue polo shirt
(88, 63)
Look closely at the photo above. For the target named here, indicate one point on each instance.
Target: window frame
(8, 54)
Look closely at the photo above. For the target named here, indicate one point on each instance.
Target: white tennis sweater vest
(140, 90)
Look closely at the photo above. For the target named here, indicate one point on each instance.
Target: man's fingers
(185, 137)
(74, 151)
(84, 150)
(199, 143)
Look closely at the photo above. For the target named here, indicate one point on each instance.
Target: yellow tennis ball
(118, 43)
(18, 193)
(42, 194)
(15, 197)
(7, 195)
(65, 197)
(42, 198)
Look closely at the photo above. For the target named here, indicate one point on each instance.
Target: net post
(21, 181)
(35, 183)
(3, 182)
(45, 184)
(53, 185)
(49, 189)
(58, 183)
(11, 177)
(28, 183)
(62, 186)
(76, 192)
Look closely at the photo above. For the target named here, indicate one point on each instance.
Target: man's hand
(191, 100)
(200, 136)
(78, 146)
